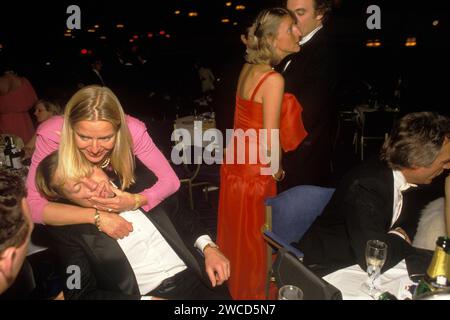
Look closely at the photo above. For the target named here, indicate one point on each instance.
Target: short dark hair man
(368, 202)
(15, 227)
(312, 75)
(159, 258)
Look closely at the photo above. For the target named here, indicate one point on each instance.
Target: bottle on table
(385, 296)
(13, 154)
(7, 152)
(438, 273)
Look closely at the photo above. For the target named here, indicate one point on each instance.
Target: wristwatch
(211, 245)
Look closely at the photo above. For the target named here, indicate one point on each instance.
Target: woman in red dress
(261, 103)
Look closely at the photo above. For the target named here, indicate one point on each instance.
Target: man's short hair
(323, 7)
(14, 227)
(45, 174)
(415, 140)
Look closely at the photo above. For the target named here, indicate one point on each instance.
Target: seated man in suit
(15, 228)
(368, 202)
(157, 259)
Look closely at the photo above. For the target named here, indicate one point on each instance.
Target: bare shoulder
(275, 79)
(273, 82)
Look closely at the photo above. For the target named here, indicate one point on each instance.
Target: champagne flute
(376, 252)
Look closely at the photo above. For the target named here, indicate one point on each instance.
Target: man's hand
(217, 266)
(114, 225)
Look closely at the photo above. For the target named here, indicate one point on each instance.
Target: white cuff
(398, 234)
(202, 241)
(147, 298)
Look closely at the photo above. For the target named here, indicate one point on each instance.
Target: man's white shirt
(150, 256)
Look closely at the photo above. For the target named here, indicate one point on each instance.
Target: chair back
(289, 270)
(294, 210)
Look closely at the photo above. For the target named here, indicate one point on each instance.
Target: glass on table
(376, 253)
(290, 292)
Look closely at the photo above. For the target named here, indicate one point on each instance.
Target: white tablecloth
(349, 280)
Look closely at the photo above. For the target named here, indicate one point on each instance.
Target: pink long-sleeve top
(47, 141)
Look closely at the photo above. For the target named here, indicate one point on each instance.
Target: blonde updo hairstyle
(95, 103)
(261, 34)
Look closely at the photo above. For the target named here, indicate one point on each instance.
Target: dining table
(349, 281)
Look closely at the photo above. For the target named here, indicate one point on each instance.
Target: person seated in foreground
(158, 259)
(15, 227)
(368, 202)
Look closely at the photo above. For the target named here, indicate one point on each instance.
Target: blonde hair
(45, 174)
(95, 103)
(261, 34)
(52, 107)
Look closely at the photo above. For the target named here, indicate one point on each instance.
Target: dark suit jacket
(360, 210)
(312, 77)
(105, 270)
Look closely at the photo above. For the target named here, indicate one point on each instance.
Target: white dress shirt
(309, 36)
(400, 184)
(149, 254)
(304, 40)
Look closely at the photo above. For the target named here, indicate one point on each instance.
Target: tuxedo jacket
(361, 209)
(105, 270)
(312, 76)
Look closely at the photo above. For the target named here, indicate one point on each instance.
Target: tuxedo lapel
(387, 187)
(112, 262)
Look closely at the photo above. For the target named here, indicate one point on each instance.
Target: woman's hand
(114, 225)
(122, 201)
(279, 176)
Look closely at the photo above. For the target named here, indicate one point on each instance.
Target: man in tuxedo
(15, 228)
(311, 75)
(160, 258)
(369, 204)
(93, 75)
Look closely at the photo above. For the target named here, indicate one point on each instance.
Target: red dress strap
(264, 77)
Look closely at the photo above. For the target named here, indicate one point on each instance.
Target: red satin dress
(242, 193)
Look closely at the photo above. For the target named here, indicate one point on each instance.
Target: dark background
(32, 38)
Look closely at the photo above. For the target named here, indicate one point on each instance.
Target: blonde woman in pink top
(96, 132)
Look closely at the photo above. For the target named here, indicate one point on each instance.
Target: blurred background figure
(17, 96)
(206, 79)
(43, 110)
(15, 228)
(93, 74)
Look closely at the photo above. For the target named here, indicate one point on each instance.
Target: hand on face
(81, 192)
(123, 201)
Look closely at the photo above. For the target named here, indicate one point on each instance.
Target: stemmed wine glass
(376, 252)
